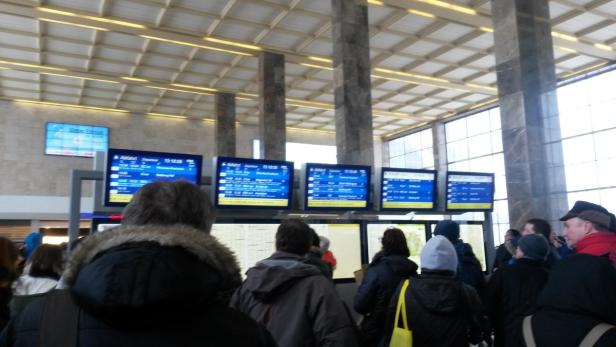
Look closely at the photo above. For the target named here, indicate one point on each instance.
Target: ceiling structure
(431, 59)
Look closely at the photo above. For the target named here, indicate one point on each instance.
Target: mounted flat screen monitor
(470, 191)
(253, 183)
(408, 189)
(75, 139)
(336, 187)
(128, 170)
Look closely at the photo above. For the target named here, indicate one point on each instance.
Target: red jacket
(599, 244)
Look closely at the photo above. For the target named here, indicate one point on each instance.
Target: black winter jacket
(580, 293)
(512, 294)
(373, 295)
(150, 286)
(441, 310)
(297, 304)
(469, 267)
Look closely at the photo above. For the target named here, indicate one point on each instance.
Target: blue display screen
(470, 191)
(128, 170)
(337, 186)
(408, 189)
(75, 140)
(253, 183)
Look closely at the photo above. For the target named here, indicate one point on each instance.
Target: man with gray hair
(159, 279)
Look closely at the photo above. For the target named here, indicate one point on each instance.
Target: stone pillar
(529, 110)
(225, 124)
(272, 112)
(352, 82)
(439, 149)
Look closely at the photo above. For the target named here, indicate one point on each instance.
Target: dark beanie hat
(449, 229)
(534, 246)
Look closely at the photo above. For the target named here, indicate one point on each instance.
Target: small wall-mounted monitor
(253, 183)
(470, 191)
(408, 189)
(336, 187)
(75, 140)
(128, 170)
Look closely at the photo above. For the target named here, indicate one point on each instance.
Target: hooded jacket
(297, 304)
(382, 278)
(469, 267)
(441, 310)
(579, 294)
(150, 286)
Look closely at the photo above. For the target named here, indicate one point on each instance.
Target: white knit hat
(439, 254)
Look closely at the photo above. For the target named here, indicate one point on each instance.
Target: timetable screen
(128, 170)
(75, 139)
(470, 191)
(253, 183)
(337, 186)
(408, 189)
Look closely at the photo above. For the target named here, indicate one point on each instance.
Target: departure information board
(253, 242)
(407, 189)
(129, 170)
(415, 238)
(467, 191)
(253, 183)
(339, 187)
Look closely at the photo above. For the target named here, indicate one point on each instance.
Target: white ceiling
(428, 61)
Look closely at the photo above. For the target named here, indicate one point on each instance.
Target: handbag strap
(595, 334)
(401, 309)
(527, 331)
(589, 340)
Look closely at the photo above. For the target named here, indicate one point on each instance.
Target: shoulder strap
(595, 334)
(60, 320)
(527, 331)
(401, 309)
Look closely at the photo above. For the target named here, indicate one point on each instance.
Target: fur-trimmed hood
(144, 273)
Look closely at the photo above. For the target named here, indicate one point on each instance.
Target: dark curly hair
(394, 242)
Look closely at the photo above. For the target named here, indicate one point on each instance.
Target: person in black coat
(388, 268)
(580, 293)
(505, 251)
(513, 290)
(159, 279)
(469, 268)
(442, 311)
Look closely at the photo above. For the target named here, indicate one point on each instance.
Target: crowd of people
(160, 279)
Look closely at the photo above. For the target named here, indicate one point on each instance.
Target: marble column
(225, 124)
(439, 150)
(529, 110)
(354, 140)
(272, 112)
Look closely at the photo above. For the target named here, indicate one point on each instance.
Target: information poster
(470, 192)
(254, 242)
(337, 187)
(345, 243)
(473, 235)
(415, 238)
(407, 190)
(254, 184)
(129, 172)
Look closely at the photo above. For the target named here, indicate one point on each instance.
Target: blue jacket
(374, 294)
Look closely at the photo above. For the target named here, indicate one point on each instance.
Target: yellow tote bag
(401, 336)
